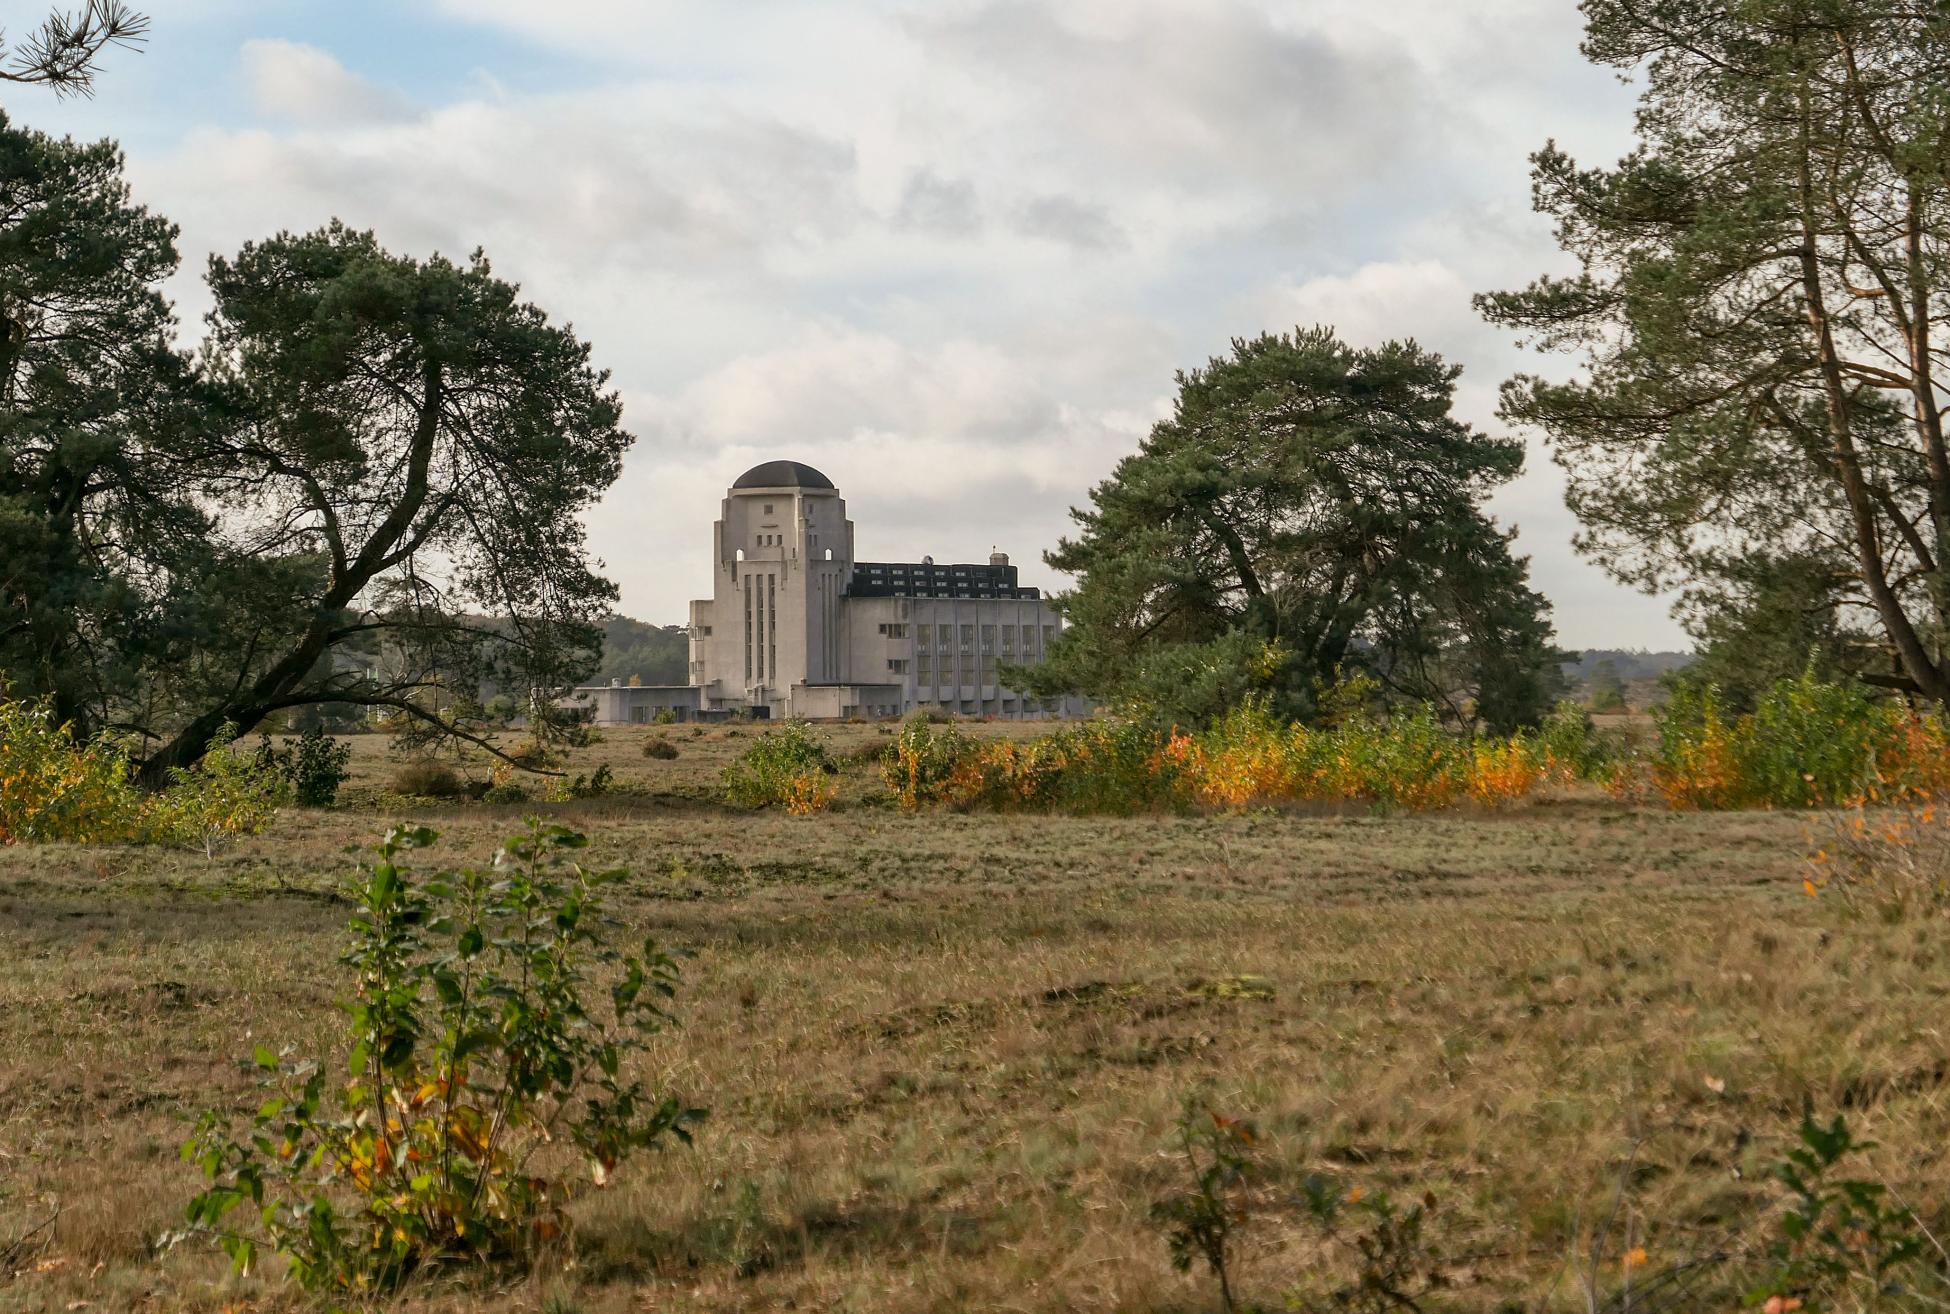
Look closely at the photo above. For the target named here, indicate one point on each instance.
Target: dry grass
(942, 1052)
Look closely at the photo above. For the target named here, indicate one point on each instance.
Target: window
(893, 631)
(924, 668)
(898, 665)
(1049, 635)
(968, 638)
(946, 633)
(923, 637)
(704, 631)
(768, 508)
(988, 640)
(1008, 638)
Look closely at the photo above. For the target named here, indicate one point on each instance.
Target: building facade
(796, 627)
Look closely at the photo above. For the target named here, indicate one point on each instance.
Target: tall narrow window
(748, 630)
(772, 615)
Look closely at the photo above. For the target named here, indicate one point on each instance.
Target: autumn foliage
(55, 789)
(1807, 743)
(1248, 758)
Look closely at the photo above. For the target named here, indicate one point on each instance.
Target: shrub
(52, 788)
(1807, 743)
(223, 796)
(1202, 1218)
(660, 748)
(1842, 1238)
(787, 767)
(924, 759)
(1893, 863)
(313, 765)
(599, 783)
(665, 716)
(490, 1029)
(426, 778)
(1394, 1262)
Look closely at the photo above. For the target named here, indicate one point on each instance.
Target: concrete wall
(623, 704)
(835, 702)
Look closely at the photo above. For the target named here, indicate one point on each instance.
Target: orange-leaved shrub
(1246, 758)
(1807, 743)
(53, 788)
(788, 767)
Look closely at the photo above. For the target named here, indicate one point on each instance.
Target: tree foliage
(1310, 510)
(366, 488)
(657, 654)
(1759, 313)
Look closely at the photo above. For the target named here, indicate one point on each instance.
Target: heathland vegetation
(1339, 963)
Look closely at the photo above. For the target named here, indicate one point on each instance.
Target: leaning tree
(365, 488)
(1759, 313)
(1310, 511)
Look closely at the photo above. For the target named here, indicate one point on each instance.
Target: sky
(950, 252)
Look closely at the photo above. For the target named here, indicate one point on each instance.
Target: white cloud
(304, 84)
(949, 251)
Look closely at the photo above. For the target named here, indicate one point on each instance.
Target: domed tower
(782, 551)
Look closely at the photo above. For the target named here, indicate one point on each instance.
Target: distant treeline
(655, 654)
(1627, 663)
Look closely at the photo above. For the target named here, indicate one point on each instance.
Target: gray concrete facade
(797, 627)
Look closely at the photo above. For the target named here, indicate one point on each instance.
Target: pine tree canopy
(1310, 511)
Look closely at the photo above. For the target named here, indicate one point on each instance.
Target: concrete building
(796, 626)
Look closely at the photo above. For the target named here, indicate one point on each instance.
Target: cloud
(1383, 300)
(950, 251)
(290, 80)
(931, 203)
(1076, 224)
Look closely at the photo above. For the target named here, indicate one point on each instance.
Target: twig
(18, 1246)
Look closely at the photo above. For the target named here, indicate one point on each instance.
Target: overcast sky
(948, 251)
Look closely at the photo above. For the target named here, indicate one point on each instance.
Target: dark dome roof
(782, 474)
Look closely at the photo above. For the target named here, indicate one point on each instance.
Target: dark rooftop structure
(782, 474)
(901, 579)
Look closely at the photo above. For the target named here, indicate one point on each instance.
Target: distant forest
(655, 654)
(1621, 679)
(1627, 663)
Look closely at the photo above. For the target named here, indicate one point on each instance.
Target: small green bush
(660, 748)
(1845, 1244)
(600, 783)
(225, 795)
(491, 1028)
(313, 765)
(788, 767)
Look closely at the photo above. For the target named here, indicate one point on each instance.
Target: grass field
(942, 1053)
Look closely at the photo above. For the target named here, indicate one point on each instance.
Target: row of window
(944, 636)
(925, 670)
